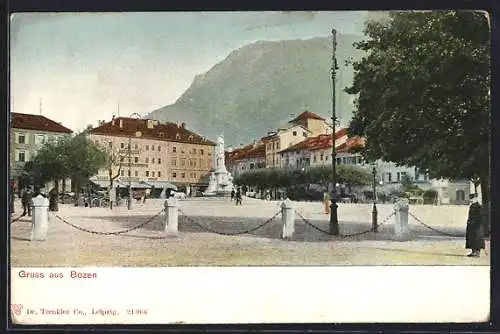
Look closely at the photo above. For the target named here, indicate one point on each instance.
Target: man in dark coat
(238, 197)
(232, 194)
(474, 237)
(26, 197)
(53, 196)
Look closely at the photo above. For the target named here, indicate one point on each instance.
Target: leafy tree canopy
(423, 92)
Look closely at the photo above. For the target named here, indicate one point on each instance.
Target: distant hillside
(261, 85)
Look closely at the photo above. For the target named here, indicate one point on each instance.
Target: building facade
(28, 133)
(154, 153)
(248, 158)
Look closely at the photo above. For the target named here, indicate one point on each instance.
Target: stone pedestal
(171, 217)
(401, 229)
(288, 219)
(39, 218)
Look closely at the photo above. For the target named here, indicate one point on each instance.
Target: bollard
(171, 217)
(40, 218)
(401, 208)
(288, 219)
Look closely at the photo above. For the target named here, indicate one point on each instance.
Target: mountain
(261, 86)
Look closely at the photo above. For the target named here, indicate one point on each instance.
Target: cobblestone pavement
(148, 245)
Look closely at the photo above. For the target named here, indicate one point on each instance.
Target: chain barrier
(342, 235)
(13, 220)
(435, 230)
(229, 233)
(110, 233)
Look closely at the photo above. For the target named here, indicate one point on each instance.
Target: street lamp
(374, 211)
(334, 222)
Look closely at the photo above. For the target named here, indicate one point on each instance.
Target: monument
(221, 181)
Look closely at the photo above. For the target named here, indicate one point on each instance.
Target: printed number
(137, 311)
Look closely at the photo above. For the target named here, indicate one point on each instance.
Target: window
(177, 136)
(174, 162)
(252, 166)
(159, 161)
(152, 160)
(183, 175)
(201, 151)
(136, 173)
(338, 161)
(147, 173)
(183, 162)
(159, 148)
(389, 177)
(136, 146)
(174, 175)
(21, 138)
(147, 160)
(122, 145)
(193, 151)
(400, 176)
(460, 195)
(136, 159)
(294, 133)
(128, 146)
(159, 174)
(152, 174)
(128, 173)
(314, 158)
(21, 156)
(321, 157)
(152, 147)
(110, 144)
(122, 173)
(40, 139)
(194, 175)
(174, 149)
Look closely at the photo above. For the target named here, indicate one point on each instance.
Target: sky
(84, 67)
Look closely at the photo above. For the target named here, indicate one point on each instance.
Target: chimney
(121, 123)
(89, 127)
(113, 120)
(178, 124)
(183, 125)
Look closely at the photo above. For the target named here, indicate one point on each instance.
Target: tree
(113, 164)
(72, 157)
(423, 93)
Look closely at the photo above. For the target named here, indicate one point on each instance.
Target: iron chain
(229, 233)
(343, 235)
(109, 233)
(433, 229)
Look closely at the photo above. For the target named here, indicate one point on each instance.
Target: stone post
(39, 218)
(401, 229)
(288, 219)
(171, 217)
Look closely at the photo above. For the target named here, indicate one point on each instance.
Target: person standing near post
(474, 239)
(232, 194)
(326, 202)
(53, 195)
(26, 197)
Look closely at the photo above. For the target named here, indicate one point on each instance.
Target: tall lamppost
(374, 211)
(334, 222)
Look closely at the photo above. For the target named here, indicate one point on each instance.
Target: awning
(162, 184)
(133, 185)
(100, 183)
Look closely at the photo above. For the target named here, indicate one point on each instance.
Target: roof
(253, 150)
(37, 123)
(307, 115)
(158, 131)
(325, 141)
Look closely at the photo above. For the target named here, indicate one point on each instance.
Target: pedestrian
(11, 196)
(239, 200)
(474, 239)
(232, 194)
(326, 202)
(26, 196)
(53, 194)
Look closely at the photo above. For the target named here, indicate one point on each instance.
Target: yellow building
(307, 124)
(159, 153)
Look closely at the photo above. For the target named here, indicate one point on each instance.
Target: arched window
(460, 195)
(177, 136)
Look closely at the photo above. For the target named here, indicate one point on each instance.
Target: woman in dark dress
(474, 237)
